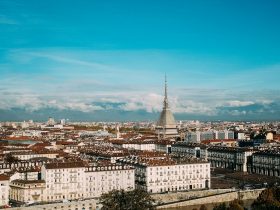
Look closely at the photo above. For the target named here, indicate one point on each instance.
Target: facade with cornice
(71, 181)
(167, 175)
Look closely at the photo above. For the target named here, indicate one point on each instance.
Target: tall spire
(166, 123)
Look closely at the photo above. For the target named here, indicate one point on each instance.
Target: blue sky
(222, 58)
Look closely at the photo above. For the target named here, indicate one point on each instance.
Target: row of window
(180, 167)
(186, 187)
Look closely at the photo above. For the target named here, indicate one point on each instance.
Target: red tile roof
(4, 177)
(59, 165)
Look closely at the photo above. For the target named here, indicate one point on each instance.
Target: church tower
(166, 125)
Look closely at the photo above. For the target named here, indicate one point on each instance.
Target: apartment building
(186, 149)
(235, 158)
(4, 190)
(266, 162)
(64, 180)
(104, 178)
(199, 136)
(168, 175)
(72, 181)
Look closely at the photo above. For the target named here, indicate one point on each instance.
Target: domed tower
(166, 125)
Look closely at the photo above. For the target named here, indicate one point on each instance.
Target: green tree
(203, 207)
(269, 199)
(221, 206)
(236, 205)
(137, 199)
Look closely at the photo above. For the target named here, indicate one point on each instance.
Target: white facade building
(63, 180)
(198, 136)
(71, 181)
(167, 175)
(27, 174)
(186, 149)
(27, 191)
(241, 136)
(102, 179)
(4, 190)
(137, 145)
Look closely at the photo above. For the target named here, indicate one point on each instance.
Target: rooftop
(164, 161)
(21, 181)
(58, 165)
(4, 177)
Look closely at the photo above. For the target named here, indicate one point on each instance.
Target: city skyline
(107, 60)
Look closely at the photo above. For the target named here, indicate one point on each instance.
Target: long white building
(167, 175)
(71, 181)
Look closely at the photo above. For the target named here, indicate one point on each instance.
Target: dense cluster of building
(58, 170)
(260, 159)
(50, 162)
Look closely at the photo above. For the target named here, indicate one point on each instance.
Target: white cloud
(237, 103)
(98, 96)
(237, 112)
(264, 101)
(194, 107)
(150, 102)
(33, 103)
(82, 107)
(124, 100)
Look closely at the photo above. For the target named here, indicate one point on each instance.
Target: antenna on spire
(165, 87)
(165, 93)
